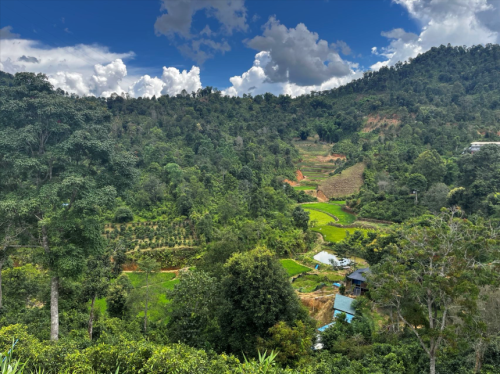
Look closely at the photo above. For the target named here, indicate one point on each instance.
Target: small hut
(356, 282)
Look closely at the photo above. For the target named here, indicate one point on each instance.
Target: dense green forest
(159, 235)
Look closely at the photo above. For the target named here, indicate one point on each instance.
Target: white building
(476, 146)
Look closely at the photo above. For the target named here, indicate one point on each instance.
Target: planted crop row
(152, 235)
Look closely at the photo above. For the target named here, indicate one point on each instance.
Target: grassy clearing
(335, 234)
(304, 188)
(293, 268)
(338, 202)
(159, 284)
(344, 184)
(320, 217)
(309, 283)
(336, 210)
(138, 279)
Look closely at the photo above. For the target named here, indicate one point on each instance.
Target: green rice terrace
(334, 209)
(323, 215)
(293, 268)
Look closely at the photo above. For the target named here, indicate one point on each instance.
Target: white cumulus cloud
(255, 81)
(107, 79)
(89, 69)
(176, 81)
(298, 55)
(457, 22)
(70, 82)
(147, 87)
(172, 82)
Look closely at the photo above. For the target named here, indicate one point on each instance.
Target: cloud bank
(90, 69)
(457, 22)
(290, 61)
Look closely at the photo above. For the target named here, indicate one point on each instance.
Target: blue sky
(277, 44)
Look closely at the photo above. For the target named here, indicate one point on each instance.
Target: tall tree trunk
(54, 308)
(54, 292)
(91, 318)
(146, 309)
(479, 356)
(433, 363)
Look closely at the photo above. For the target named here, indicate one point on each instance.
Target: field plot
(344, 184)
(313, 282)
(294, 268)
(138, 279)
(336, 210)
(317, 162)
(319, 218)
(338, 202)
(335, 234)
(308, 283)
(304, 188)
(150, 235)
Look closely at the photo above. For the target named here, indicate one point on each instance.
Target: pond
(326, 258)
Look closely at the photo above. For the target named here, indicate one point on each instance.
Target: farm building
(476, 146)
(343, 304)
(356, 282)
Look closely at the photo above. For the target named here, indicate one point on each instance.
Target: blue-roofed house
(343, 304)
(356, 282)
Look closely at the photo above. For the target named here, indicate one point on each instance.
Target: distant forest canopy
(201, 181)
(438, 102)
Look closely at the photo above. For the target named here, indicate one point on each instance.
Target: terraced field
(319, 218)
(322, 214)
(294, 268)
(344, 184)
(344, 218)
(317, 165)
(335, 234)
(316, 162)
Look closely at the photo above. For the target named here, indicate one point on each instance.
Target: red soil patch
(299, 175)
(291, 183)
(318, 195)
(375, 121)
(321, 196)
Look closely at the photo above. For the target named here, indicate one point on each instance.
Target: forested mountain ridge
(92, 186)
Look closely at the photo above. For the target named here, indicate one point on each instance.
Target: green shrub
(123, 214)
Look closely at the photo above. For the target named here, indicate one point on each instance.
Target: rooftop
(343, 303)
(359, 274)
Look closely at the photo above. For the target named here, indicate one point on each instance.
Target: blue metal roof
(323, 328)
(348, 317)
(343, 304)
